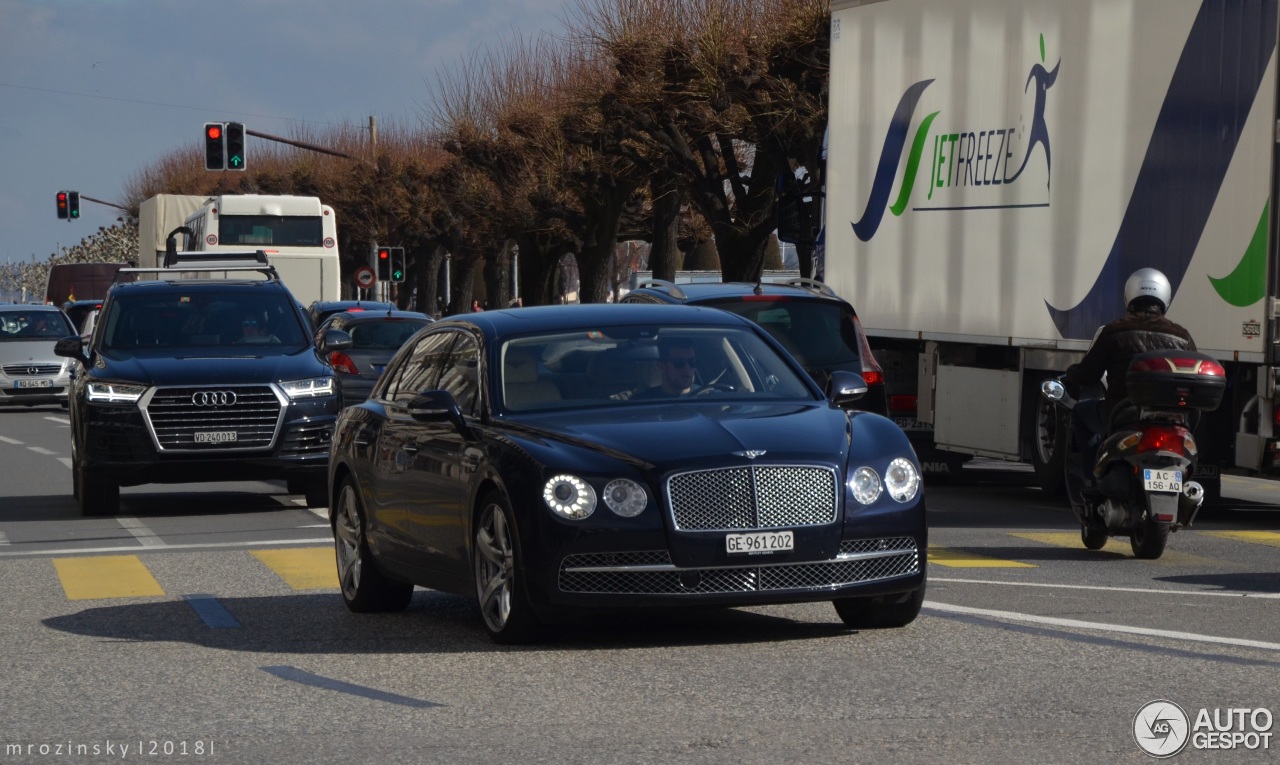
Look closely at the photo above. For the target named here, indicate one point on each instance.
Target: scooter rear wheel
(1148, 539)
(1094, 539)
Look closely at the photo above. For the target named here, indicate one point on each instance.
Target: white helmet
(1148, 283)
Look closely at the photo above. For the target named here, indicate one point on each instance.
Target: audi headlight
(866, 485)
(902, 480)
(114, 393)
(625, 497)
(316, 387)
(569, 497)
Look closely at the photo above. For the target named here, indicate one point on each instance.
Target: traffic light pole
(299, 144)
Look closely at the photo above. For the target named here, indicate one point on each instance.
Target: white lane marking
(140, 532)
(13, 441)
(59, 420)
(1150, 590)
(66, 461)
(320, 512)
(40, 450)
(3, 539)
(328, 540)
(1013, 616)
(315, 526)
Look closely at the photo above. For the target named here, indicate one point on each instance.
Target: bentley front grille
(756, 497)
(651, 573)
(214, 418)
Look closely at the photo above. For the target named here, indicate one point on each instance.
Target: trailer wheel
(1048, 453)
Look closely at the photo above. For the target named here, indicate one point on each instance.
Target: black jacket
(1116, 345)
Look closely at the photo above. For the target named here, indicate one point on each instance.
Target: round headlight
(570, 497)
(902, 480)
(866, 485)
(626, 498)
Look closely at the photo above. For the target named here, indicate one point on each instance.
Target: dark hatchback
(199, 380)
(807, 317)
(535, 460)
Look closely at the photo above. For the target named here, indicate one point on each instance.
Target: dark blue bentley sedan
(573, 458)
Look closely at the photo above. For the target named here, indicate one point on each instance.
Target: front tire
(1148, 539)
(364, 588)
(96, 495)
(880, 611)
(504, 605)
(1048, 453)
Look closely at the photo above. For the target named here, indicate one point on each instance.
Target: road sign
(365, 277)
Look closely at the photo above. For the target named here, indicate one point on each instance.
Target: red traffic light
(383, 254)
(214, 132)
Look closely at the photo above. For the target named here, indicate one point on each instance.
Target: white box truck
(299, 235)
(997, 168)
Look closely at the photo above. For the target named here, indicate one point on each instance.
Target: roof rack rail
(663, 284)
(268, 271)
(813, 285)
(206, 258)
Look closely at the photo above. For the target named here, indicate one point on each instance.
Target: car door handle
(410, 447)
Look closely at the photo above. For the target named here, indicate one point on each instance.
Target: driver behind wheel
(678, 364)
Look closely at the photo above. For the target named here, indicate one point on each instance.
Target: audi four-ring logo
(213, 398)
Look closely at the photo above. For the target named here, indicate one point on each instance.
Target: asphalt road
(204, 625)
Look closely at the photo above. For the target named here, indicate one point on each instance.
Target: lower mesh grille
(307, 439)
(651, 572)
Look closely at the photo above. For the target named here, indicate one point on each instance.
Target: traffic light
(73, 205)
(384, 264)
(215, 146)
(236, 159)
(397, 264)
(62, 205)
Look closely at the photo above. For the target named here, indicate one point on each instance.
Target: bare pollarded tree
(720, 88)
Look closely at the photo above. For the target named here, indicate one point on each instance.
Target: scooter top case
(1176, 380)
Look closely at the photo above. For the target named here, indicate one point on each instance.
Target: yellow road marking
(310, 568)
(1256, 537)
(106, 576)
(944, 556)
(1116, 546)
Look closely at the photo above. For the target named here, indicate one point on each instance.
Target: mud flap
(1162, 507)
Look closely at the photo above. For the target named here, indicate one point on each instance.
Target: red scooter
(1139, 484)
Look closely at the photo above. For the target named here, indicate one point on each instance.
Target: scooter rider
(1147, 295)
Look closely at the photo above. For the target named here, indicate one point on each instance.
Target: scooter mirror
(1052, 390)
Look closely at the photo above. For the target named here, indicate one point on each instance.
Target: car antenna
(759, 290)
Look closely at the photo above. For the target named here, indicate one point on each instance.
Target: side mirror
(73, 348)
(845, 387)
(437, 406)
(1053, 390)
(334, 340)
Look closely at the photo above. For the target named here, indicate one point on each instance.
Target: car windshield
(21, 325)
(817, 333)
(628, 366)
(385, 335)
(245, 320)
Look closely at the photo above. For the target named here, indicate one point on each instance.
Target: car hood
(20, 351)
(207, 367)
(693, 434)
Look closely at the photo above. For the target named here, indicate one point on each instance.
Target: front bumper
(116, 442)
(862, 567)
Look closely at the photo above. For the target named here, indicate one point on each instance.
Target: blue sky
(93, 91)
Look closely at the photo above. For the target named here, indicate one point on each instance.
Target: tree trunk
(664, 254)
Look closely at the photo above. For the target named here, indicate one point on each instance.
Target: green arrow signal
(236, 161)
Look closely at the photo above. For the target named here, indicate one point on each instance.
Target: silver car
(30, 373)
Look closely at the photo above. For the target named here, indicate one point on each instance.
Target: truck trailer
(996, 169)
